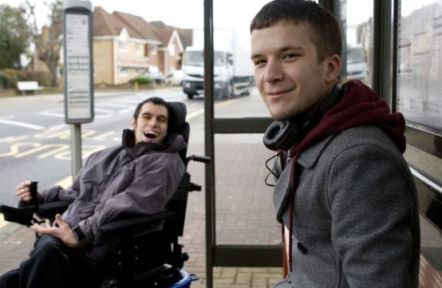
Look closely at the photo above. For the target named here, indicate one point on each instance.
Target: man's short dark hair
(327, 32)
(154, 100)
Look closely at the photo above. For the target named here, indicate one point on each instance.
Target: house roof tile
(106, 24)
(137, 26)
(185, 34)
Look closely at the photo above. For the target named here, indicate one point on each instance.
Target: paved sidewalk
(244, 213)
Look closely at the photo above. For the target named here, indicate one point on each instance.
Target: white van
(356, 63)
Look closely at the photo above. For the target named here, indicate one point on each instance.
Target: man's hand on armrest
(60, 230)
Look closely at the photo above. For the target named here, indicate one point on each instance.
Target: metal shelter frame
(226, 255)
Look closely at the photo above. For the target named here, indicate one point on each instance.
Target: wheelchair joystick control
(34, 188)
(24, 213)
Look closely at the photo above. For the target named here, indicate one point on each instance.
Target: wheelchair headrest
(178, 113)
(178, 124)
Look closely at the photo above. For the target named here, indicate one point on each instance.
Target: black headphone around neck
(281, 135)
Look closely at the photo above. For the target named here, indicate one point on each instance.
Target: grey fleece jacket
(119, 181)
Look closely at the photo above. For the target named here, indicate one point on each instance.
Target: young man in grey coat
(137, 177)
(344, 193)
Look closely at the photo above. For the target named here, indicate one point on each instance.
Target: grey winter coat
(355, 217)
(117, 181)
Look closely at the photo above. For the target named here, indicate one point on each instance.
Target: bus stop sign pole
(78, 63)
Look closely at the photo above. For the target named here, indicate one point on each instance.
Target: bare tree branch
(48, 41)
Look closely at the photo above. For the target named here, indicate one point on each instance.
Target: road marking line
(2, 221)
(124, 111)
(52, 114)
(21, 124)
(65, 183)
(13, 139)
(114, 105)
(198, 112)
(228, 102)
(194, 114)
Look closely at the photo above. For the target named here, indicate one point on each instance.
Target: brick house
(126, 46)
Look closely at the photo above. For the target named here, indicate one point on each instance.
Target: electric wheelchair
(148, 253)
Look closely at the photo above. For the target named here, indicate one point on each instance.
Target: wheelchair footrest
(162, 277)
(159, 277)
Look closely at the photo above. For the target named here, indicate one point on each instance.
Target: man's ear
(133, 124)
(333, 68)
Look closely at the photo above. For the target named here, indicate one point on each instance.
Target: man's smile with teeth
(150, 134)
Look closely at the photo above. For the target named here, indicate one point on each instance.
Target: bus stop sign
(78, 86)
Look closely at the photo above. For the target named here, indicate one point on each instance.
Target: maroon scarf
(359, 106)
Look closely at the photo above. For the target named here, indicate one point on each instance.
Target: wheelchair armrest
(198, 158)
(20, 215)
(25, 214)
(134, 223)
(50, 209)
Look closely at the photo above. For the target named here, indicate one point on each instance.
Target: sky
(181, 13)
(189, 13)
(228, 14)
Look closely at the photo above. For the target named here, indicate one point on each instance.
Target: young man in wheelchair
(138, 177)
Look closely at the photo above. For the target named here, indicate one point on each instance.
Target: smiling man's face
(289, 74)
(151, 124)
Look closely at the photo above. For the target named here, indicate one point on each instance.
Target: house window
(122, 45)
(122, 72)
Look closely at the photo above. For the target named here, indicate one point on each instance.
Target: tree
(14, 36)
(49, 41)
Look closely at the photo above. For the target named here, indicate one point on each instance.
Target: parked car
(174, 78)
(155, 74)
